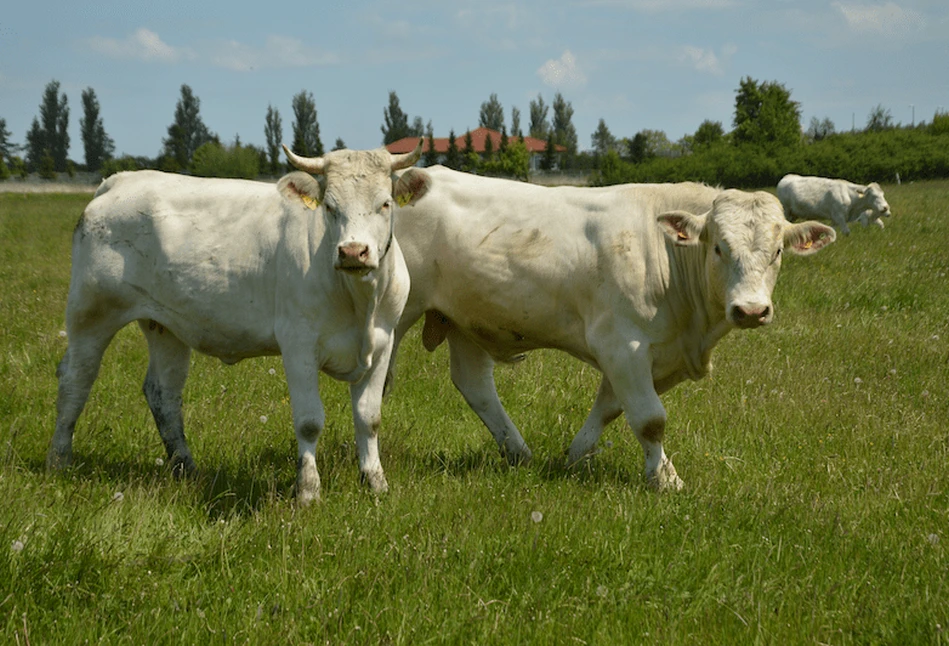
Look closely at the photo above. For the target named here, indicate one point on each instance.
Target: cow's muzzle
(354, 257)
(751, 316)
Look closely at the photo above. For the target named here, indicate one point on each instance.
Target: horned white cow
(639, 281)
(307, 269)
(837, 200)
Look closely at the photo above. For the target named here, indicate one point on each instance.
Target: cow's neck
(366, 294)
(701, 324)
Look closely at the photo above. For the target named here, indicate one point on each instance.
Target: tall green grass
(816, 507)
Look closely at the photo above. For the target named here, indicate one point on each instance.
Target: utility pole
(913, 122)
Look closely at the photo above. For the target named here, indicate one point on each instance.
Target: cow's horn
(309, 164)
(407, 159)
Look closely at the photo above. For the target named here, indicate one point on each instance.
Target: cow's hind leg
(168, 362)
(472, 372)
(76, 372)
(605, 409)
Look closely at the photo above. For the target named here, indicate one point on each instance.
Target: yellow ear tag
(681, 235)
(808, 244)
(403, 199)
(309, 202)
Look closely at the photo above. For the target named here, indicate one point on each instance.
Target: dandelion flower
(271, 372)
(118, 496)
(537, 516)
(17, 546)
(263, 419)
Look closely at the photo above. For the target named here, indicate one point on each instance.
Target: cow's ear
(301, 188)
(805, 238)
(683, 228)
(411, 186)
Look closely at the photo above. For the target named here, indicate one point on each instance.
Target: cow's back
(158, 244)
(521, 266)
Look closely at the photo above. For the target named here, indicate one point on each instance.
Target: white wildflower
(17, 546)
(263, 419)
(118, 496)
(537, 516)
(271, 372)
(62, 334)
(857, 380)
(159, 462)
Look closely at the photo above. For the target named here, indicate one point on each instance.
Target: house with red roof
(535, 147)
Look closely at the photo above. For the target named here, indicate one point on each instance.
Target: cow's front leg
(366, 397)
(309, 419)
(605, 409)
(628, 367)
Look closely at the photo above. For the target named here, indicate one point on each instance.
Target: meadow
(815, 458)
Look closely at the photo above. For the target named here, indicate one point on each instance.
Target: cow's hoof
(56, 461)
(376, 481)
(665, 478)
(518, 457)
(182, 468)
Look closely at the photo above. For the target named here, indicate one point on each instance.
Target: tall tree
(431, 155)
(516, 122)
(97, 144)
(565, 133)
(188, 132)
(765, 115)
(340, 144)
(602, 139)
(639, 148)
(396, 122)
(7, 147)
(539, 125)
(452, 157)
(273, 132)
(306, 128)
(48, 135)
(492, 114)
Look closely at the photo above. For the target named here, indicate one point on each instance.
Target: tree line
(766, 141)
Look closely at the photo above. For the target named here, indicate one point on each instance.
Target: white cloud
(277, 52)
(143, 45)
(563, 72)
(887, 19)
(708, 61)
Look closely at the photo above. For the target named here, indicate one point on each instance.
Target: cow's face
(876, 201)
(743, 239)
(358, 195)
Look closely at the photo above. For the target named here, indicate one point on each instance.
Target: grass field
(816, 463)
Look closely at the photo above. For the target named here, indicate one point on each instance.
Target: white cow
(836, 200)
(307, 269)
(639, 281)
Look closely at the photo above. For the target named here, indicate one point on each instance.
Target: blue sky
(638, 64)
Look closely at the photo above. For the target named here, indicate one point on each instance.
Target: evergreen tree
(488, 148)
(98, 146)
(417, 129)
(273, 132)
(7, 147)
(492, 114)
(340, 144)
(516, 123)
(549, 160)
(49, 134)
(452, 157)
(306, 128)
(539, 125)
(765, 115)
(396, 122)
(639, 148)
(602, 139)
(469, 158)
(502, 146)
(187, 133)
(565, 133)
(431, 155)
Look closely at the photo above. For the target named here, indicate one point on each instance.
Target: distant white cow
(836, 200)
(639, 281)
(307, 269)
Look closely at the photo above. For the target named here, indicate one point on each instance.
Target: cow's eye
(777, 255)
(387, 205)
(718, 251)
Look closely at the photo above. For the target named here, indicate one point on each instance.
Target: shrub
(214, 160)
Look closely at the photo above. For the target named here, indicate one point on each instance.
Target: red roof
(478, 137)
